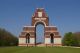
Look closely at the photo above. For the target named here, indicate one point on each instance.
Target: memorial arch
(51, 34)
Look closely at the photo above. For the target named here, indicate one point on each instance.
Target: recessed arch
(40, 22)
(52, 38)
(27, 38)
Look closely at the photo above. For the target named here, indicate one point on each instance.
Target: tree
(7, 39)
(68, 39)
(77, 38)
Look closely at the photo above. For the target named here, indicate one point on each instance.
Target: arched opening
(52, 38)
(39, 33)
(27, 38)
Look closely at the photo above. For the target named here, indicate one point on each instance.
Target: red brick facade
(44, 19)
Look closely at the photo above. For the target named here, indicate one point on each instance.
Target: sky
(40, 33)
(65, 14)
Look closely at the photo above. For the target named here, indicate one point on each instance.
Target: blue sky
(65, 14)
(40, 33)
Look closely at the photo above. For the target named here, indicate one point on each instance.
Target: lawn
(39, 50)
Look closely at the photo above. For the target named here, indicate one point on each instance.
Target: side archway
(27, 38)
(52, 38)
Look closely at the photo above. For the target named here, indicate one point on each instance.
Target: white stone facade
(32, 40)
(22, 40)
(57, 40)
(47, 40)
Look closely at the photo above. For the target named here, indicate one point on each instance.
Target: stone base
(39, 45)
(26, 45)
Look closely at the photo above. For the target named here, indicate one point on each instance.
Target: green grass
(39, 50)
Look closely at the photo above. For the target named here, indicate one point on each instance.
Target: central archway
(40, 30)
